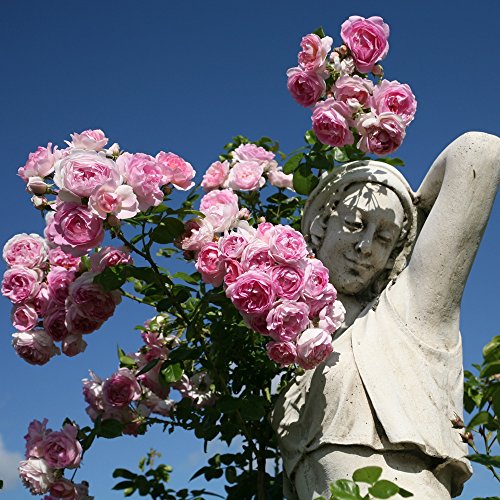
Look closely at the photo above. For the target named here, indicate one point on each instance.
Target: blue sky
(158, 75)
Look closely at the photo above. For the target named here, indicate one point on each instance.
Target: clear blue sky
(159, 74)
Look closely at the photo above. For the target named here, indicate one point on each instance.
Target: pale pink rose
(279, 179)
(246, 176)
(287, 319)
(108, 257)
(35, 347)
(198, 389)
(37, 433)
(218, 197)
(318, 302)
(49, 231)
(76, 229)
(121, 388)
(24, 317)
(92, 392)
(380, 134)
(253, 292)
(286, 245)
(151, 379)
(345, 66)
(314, 52)
(27, 250)
(244, 214)
(215, 176)
(313, 346)
(197, 233)
(62, 259)
(222, 217)
(396, 98)
(330, 122)
(36, 475)
(353, 90)
(81, 172)
(289, 280)
(232, 245)
(176, 170)
(73, 344)
(210, 264)
(54, 322)
(256, 256)
(58, 281)
(316, 278)
(37, 186)
(264, 231)
(40, 163)
(63, 488)
(20, 284)
(283, 353)
(232, 270)
(367, 40)
(153, 404)
(89, 139)
(145, 176)
(257, 322)
(120, 201)
(252, 152)
(113, 150)
(91, 299)
(306, 87)
(40, 301)
(62, 450)
(331, 317)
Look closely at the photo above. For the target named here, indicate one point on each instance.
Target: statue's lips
(357, 263)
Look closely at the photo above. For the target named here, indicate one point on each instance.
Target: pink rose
(232, 270)
(153, 404)
(380, 134)
(36, 347)
(36, 475)
(354, 91)
(24, 317)
(330, 122)
(58, 281)
(37, 433)
(92, 392)
(89, 139)
(54, 322)
(289, 280)
(367, 40)
(40, 301)
(215, 176)
(28, 250)
(313, 346)
(256, 256)
(78, 323)
(252, 152)
(20, 284)
(62, 449)
(61, 259)
(145, 176)
(81, 172)
(253, 292)
(279, 179)
(120, 201)
(396, 98)
(37, 186)
(318, 302)
(109, 257)
(306, 87)
(73, 344)
(40, 163)
(264, 231)
(314, 52)
(76, 229)
(257, 322)
(176, 170)
(286, 245)
(283, 353)
(218, 197)
(63, 488)
(287, 319)
(316, 278)
(232, 245)
(121, 388)
(246, 176)
(331, 317)
(210, 264)
(197, 233)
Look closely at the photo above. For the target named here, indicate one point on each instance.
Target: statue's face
(360, 236)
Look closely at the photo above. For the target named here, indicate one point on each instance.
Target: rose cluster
(93, 185)
(48, 453)
(348, 107)
(54, 299)
(247, 170)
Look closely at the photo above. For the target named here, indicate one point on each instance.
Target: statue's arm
(457, 193)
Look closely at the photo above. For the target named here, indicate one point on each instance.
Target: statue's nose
(364, 245)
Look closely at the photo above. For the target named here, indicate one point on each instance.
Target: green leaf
(367, 474)
(491, 351)
(142, 273)
(227, 404)
(320, 32)
(340, 155)
(304, 181)
(112, 277)
(383, 489)
(171, 373)
(122, 485)
(395, 162)
(310, 137)
(292, 163)
(110, 429)
(193, 280)
(147, 367)
(231, 476)
(405, 493)
(124, 473)
(345, 489)
(483, 459)
(490, 369)
(125, 360)
(167, 231)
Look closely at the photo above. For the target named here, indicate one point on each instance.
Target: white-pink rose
(331, 317)
(380, 134)
(246, 176)
(314, 345)
(120, 201)
(354, 91)
(256, 256)
(367, 40)
(28, 250)
(121, 388)
(64, 489)
(36, 475)
(314, 52)
(37, 432)
(176, 170)
(36, 346)
(331, 121)
(264, 231)
(252, 152)
(40, 163)
(215, 176)
(286, 244)
(20, 284)
(306, 87)
(218, 197)
(396, 98)
(197, 233)
(61, 449)
(210, 264)
(109, 256)
(73, 344)
(279, 179)
(89, 139)
(283, 353)
(24, 317)
(232, 245)
(37, 186)
(253, 292)
(221, 217)
(287, 319)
